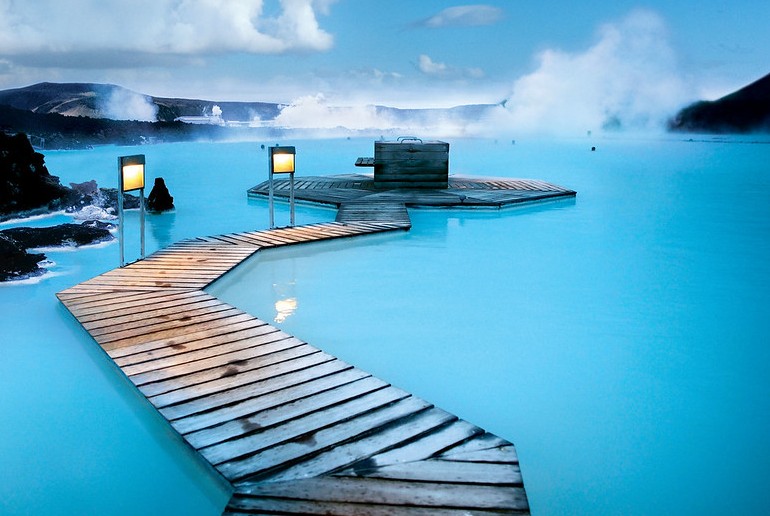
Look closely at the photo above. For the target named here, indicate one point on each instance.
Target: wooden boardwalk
(355, 195)
(294, 430)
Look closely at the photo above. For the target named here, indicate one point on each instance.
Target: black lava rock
(63, 235)
(744, 111)
(16, 263)
(25, 183)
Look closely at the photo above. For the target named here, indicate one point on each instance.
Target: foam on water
(619, 339)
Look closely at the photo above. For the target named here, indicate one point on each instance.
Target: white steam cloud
(627, 80)
(314, 115)
(123, 104)
(314, 112)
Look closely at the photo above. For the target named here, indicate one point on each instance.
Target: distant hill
(744, 111)
(118, 103)
(55, 131)
(76, 115)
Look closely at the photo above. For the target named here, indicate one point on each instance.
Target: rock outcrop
(744, 111)
(17, 263)
(27, 188)
(25, 183)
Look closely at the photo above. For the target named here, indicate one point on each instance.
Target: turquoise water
(619, 340)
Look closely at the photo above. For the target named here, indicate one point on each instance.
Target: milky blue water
(620, 340)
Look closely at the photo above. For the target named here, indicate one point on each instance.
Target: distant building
(201, 120)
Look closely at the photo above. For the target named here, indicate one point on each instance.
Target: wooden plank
(131, 325)
(120, 305)
(266, 349)
(394, 493)
(149, 314)
(500, 455)
(291, 386)
(265, 504)
(448, 472)
(361, 447)
(240, 505)
(231, 382)
(236, 324)
(230, 341)
(249, 425)
(300, 457)
(429, 446)
(203, 326)
(288, 422)
(485, 441)
(102, 299)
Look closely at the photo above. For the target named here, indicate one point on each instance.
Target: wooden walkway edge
(293, 430)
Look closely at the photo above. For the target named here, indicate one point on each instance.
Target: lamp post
(130, 177)
(281, 161)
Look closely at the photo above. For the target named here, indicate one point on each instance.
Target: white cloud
(465, 16)
(436, 69)
(177, 27)
(428, 66)
(628, 79)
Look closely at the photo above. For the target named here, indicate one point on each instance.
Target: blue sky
(425, 53)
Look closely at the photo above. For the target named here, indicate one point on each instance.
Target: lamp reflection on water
(284, 308)
(285, 300)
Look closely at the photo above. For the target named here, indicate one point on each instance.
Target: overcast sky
(394, 52)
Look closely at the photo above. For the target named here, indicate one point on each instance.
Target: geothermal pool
(619, 339)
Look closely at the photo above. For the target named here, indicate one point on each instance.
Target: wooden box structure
(411, 163)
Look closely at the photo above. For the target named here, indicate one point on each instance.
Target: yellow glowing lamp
(132, 173)
(282, 159)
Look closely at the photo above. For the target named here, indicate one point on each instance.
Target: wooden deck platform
(294, 430)
(358, 191)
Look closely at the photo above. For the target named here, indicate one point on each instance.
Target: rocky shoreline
(27, 189)
(18, 263)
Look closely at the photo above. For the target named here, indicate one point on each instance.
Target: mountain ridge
(745, 110)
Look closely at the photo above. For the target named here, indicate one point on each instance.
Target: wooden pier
(291, 428)
(359, 192)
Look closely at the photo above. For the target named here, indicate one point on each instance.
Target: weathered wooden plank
(485, 441)
(300, 457)
(142, 305)
(269, 348)
(235, 324)
(456, 432)
(287, 387)
(230, 382)
(133, 324)
(501, 455)
(287, 422)
(449, 472)
(148, 314)
(264, 504)
(211, 323)
(224, 343)
(375, 440)
(103, 300)
(249, 425)
(394, 493)
(243, 505)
